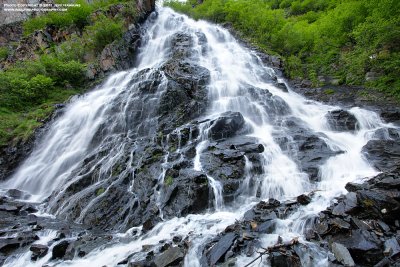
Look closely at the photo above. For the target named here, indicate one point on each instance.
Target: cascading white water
(232, 68)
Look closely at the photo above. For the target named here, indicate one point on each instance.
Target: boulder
(60, 249)
(342, 120)
(171, 257)
(364, 247)
(177, 200)
(342, 254)
(383, 154)
(284, 259)
(303, 199)
(220, 248)
(38, 251)
(227, 125)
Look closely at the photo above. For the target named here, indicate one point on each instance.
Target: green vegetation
(30, 88)
(75, 16)
(103, 32)
(341, 39)
(3, 53)
(168, 181)
(100, 191)
(329, 91)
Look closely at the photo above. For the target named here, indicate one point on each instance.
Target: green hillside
(354, 42)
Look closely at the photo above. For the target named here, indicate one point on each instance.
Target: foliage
(30, 83)
(3, 53)
(168, 181)
(344, 39)
(77, 16)
(30, 89)
(104, 31)
(74, 16)
(28, 92)
(72, 49)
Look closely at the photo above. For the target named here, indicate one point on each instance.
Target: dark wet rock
(391, 113)
(282, 86)
(307, 148)
(17, 194)
(387, 134)
(177, 239)
(21, 239)
(244, 237)
(120, 54)
(148, 132)
(342, 254)
(342, 120)
(364, 247)
(353, 187)
(60, 249)
(38, 251)
(391, 247)
(185, 97)
(349, 203)
(178, 200)
(227, 125)
(364, 220)
(384, 154)
(143, 263)
(303, 199)
(378, 204)
(10, 207)
(220, 248)
(173, 256)
(225, 162)
(273, 105)
(284, 259)
(266, 227)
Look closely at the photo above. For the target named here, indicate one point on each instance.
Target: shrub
(62, 72)
(72, 49)
(103, 32)
(25, 91)
(3, 53)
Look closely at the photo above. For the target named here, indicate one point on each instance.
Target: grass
(16, 126)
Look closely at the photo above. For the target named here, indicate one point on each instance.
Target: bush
(19, 91)
(344, 39)
(63, 72)
(77, 16)
(72, 49)
(3, 53)
(103, 32)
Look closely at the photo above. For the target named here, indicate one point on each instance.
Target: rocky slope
(140, 171)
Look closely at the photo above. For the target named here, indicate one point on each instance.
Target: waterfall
(101, 141)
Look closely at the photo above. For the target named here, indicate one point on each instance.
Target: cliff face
(7, 17)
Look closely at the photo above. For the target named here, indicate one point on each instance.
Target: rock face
(311, 149)
(120, 55)
(226, 125)
(341, 120)
(181, 96)
(10, 33)
(364, 222)
(384, 154)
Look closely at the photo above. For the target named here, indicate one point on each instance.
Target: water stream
(233, 69)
